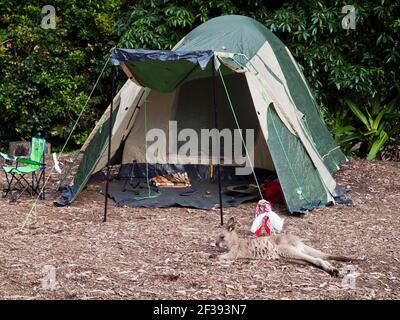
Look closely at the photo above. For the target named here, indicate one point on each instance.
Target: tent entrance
(203, 193)
(190, 107)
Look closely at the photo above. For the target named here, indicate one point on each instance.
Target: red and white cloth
(266, 218)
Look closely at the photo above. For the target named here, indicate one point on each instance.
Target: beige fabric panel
(261, 101)
(103, 119)
(129, 100)
(130, 94)
(160, 109)
(266, 52)
(266, 56)
(262, 157)
(277, 92)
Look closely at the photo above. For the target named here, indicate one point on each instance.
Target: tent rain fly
(266, 90)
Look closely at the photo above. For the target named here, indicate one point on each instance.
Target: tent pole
(110, 127)
(216, 126)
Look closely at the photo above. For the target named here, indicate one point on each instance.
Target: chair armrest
(7, 157)
(29, 161)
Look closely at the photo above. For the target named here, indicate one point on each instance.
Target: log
(21, 149)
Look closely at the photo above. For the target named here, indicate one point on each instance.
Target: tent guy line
(33, 208)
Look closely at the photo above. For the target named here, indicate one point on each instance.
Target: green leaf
(358, 113)
(377, 145)
(351, 137)
(348, 128)
(378, 119)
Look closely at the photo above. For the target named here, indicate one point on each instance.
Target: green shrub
(46, 75)
(365, 128)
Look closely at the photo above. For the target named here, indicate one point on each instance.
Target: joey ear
(230, 225)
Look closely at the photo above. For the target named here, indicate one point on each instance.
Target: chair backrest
(38, 147)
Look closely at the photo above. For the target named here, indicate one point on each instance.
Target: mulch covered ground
(164, 253)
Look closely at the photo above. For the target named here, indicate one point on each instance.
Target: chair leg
(20, 184)
(33, 183)
(39, 184)
(44, 182)
(13, 186)
(7, 190)
(25, 185)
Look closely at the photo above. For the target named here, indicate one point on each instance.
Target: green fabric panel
(38, 146)
(231, 33)
(294, 168)
(320, 134)
(240, 34)
(166, 76)
(163, 76)
(21, 170)
(92, 156)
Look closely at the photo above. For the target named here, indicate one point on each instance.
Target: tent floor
(204, 195)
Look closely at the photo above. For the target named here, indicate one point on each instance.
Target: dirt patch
(164, 253)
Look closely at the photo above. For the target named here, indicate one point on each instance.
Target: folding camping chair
(16, 175)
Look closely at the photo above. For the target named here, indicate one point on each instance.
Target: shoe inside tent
(255, 83)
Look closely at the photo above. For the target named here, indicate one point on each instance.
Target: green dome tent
(259, 86)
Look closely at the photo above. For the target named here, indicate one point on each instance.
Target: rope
(279, 138)
(77, 121)
(306, 131)
(248, 60)
(33, 208)
(240, 131)
(149, 196)
(303, 124)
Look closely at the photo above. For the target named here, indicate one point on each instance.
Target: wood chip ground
(164, 253)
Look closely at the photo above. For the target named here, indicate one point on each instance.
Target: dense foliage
(47, 74)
